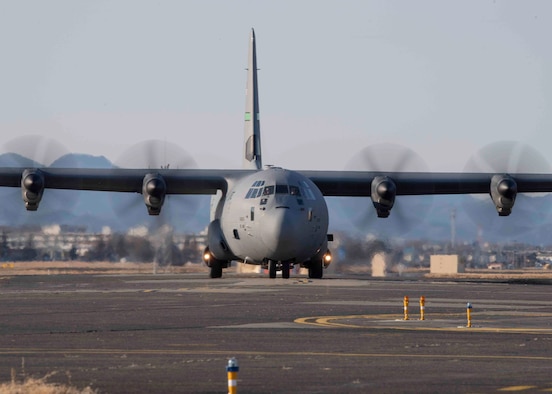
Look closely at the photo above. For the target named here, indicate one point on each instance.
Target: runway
(175, 333)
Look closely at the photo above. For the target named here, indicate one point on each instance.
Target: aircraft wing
(383, 187)
(152, 184)
(359, 183)
(330, 183)
(184, 181)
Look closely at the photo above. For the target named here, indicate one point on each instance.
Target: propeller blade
(408, 211)
(155, 154)
(507, 157)
(36, 151)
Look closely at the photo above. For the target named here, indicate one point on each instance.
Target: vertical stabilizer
(252, 149)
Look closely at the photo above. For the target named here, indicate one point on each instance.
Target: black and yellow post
(422, 308)
(232, 369)
(405, 303)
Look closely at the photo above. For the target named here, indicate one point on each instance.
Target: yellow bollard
(422, 308)
(468, 312)
(405, 302)
(232, 369)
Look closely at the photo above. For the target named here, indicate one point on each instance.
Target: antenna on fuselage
(252, 136)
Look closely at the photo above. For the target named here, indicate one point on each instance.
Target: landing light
(327, 259)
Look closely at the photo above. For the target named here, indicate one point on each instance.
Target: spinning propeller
(36, 152)
(504, 158)
(401, 217)
(155, 155)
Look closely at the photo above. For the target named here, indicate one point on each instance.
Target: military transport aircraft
(270, 216)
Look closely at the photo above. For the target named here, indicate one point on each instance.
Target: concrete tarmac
(175, 333)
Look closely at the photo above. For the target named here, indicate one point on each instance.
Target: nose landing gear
(275, 266)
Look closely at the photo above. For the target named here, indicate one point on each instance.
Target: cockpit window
(268, 190)
(251, 193)
(307, 192)
(254, 192)
(280, 189)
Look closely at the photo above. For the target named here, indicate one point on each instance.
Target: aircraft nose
(282, 233)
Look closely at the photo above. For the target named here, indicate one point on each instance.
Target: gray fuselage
(274, 214)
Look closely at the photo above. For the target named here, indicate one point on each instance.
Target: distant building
(445, 264)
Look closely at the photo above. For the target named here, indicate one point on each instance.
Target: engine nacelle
(154, 190)
(503, 193)
(32, 188)
(383, 195)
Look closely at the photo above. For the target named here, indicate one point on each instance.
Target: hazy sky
(440, 77)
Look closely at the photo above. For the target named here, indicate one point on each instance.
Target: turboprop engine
(383, 195)
(503, 193)
(154, 190)
(32, 188)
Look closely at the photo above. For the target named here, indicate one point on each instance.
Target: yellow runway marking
(517, 388)
(396, 322)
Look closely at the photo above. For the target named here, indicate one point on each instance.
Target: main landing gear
(214, 265)
(315, 267)
(215, 269)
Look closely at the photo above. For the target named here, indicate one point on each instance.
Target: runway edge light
(405, 303)
(422, 308)
(232, 369)
(468, 312)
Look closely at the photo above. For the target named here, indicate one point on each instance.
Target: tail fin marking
(252, 137)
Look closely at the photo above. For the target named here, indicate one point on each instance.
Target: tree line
(114, 248)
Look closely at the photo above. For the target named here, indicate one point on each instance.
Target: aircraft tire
(272, 269)
(285, 269)
(316, 269)
(216, 269)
